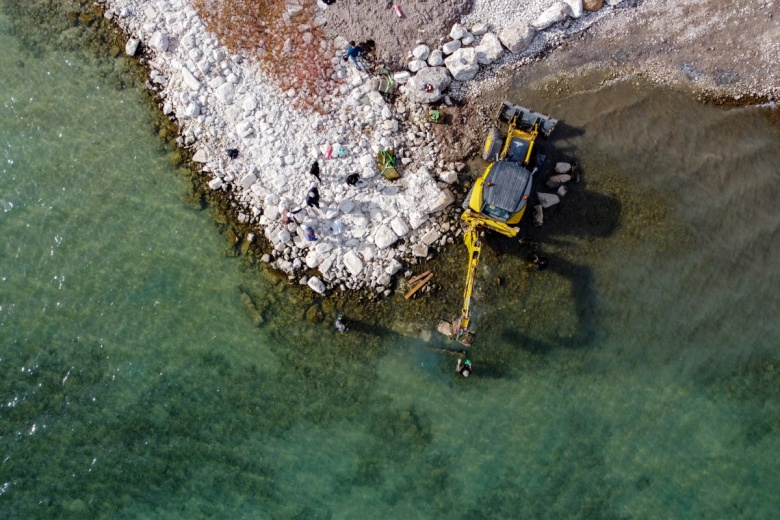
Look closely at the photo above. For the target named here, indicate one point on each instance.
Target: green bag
(385, 161)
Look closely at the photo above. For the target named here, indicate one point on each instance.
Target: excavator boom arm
(475, 222)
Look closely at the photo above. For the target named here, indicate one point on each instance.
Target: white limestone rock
(517, 37)
(384, 237)
(557, 12)
(131, 47)
(399, 227)
(316, 285)
(562, 167)
(226, 93)
(189, 80)
(436, 59)
(548, 199)
(457, 31)
(249, 103)
(478, 29)
(467, 39)
(428, 85)
(402, 77)
(463, 64)
(416, 65)
(244, 129)
(613, 2)
(449, 176)
(215, 183)
(200, 156)
(192, 110)
(353, 263)
(557, 180)
(420, 250)
(159, 42)
(393, 267)
(247, 180)
(489, 49)
(430, 237)
(450, 47)
(441, 201)
(421, 52)
(575, 8)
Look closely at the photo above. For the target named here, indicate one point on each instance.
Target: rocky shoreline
(257, 148)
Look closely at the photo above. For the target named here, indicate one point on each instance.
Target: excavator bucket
(526, 117)
(452, 331)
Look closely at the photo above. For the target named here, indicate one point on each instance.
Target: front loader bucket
(526, 117)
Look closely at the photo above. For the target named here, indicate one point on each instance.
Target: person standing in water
(464, 367)
(339, 323)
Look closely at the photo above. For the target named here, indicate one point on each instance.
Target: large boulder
(399, 227)
(316, 285)
(428, 84)
(440, 201)
(489, 49)
(353, 263)
(557, 12)
(131, 47)
(517, 37)
(463, 64)
(384, 237)
(159, 42)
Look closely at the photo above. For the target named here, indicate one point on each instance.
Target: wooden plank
(417, 278)
(418, 286)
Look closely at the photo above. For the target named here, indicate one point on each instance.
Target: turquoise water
(147, 372)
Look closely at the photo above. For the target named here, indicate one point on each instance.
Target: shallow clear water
(145, 373)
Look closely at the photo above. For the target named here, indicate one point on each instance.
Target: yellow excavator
(498, 198)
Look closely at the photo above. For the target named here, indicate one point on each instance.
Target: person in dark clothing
(540, 262)
(353, 52)
(315, 170)
(313, 198)
(464, 368)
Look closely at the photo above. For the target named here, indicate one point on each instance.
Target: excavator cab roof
(504, 190)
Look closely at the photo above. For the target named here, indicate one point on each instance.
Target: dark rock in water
(314, 314)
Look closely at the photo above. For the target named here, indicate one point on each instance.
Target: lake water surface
(148, 373)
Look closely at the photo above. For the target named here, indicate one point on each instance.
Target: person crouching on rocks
(313, 198)
(309, 234)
